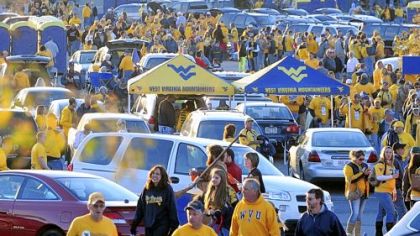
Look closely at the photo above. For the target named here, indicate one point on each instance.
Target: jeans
(166, 129)
(55, 164)
(127, 75)
(385, 203)
(400, 205)
(356, 210)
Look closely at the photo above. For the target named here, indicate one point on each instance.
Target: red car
(44, 203)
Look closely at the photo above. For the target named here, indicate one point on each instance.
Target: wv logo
(185, 73)
(295, 74)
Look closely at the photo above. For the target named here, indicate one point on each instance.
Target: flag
(135, 56)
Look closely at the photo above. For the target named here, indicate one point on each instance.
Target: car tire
(52, 232)
(301, 172)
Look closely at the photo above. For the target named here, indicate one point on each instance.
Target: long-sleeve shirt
(166, 115)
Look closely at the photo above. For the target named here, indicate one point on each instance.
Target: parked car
(44, 203)
(321, 153)
(34, 66)
(146, 106)
(81, 60)
(409, 225)
(196, 7)
(29, 98)
(257, 20)
(127, 157)
(58, 105)
(22, 129)
(294, 11)
(323, 18)
(230, 76)
(132, 10)
(151, 60)
(107, 122)
(275, 119)
(327, 11)
(211, 123)
(213, 102)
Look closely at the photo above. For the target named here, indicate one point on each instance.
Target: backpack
(391, 137)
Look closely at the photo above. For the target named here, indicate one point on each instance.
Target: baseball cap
(397, 146)
(95, 197)
(195, 205)
(248, 119)
(398, 124)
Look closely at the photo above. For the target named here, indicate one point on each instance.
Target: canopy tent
(179, 76)
(410, 65)
(291, 77)
(4, 37)
(24, 38)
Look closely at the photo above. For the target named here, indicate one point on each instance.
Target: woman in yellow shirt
(385, 192)
(355, 175)
(229, 133)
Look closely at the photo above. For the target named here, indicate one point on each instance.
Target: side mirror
(174, 180)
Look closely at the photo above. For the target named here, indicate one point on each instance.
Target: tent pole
(332, 111)
(230, 102)
(244, 103)
(349, 112)
(128, 103)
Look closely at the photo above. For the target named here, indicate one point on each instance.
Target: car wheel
(52, 232)
(301, 173)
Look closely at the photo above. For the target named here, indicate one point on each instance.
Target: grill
(302, 209)
(301, 198)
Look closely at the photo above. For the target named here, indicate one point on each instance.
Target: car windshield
(339, 139)
(45, 97)
(299, 28)
(81, 188)
(131, 9)
(268, 113)
(265, 20)
(264, 165)
(86, 58)
(110, 125)
(213, 129)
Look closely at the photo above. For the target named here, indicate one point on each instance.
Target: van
(126, 159)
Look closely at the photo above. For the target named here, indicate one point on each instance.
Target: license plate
(340, 162)
(270, 130)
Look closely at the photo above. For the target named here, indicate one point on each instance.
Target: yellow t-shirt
(368, 88)
(186, 229)
(38, 150)
(127, 64)
(246, 136)
(41, 122)
(313, 63)
(389, 185)
(85, 225)
(54, 143)
(3, 160)
(377, 116)
(321, 107)
(356, 112)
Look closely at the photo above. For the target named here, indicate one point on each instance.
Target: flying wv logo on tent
(185, 73)
(296, 74)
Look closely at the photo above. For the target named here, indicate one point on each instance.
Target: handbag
(354, 195)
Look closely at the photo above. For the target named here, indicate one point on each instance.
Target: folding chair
(98, 79)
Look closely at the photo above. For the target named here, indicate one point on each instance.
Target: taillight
(115, 217)
(292, 129)
(152, 120)
(314, 157)
(372, 158)
(70, 167)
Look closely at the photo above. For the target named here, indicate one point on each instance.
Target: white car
(321, 153)
(213, 102)
(126, 159)
(230, 76)
(151, 60)
(82, 59)
(58, 105)
(409, 225)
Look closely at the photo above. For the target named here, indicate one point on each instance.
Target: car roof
(233, 115)
(13, 110)
(66, 100)
(51, 174)
(28, 58)
(332, 129)
(264, 104)
(101, 116)
(37, 89)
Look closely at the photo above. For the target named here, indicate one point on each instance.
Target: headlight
(280, 196)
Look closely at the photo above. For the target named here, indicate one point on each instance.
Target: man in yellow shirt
(87, 15)
(195, 226)
(93, 223)
(68, 116)
(356, 113)
(404, 138)
(248, 136)
(378, 114)
(54, 143)
(320, 110)
(264, 219)
(127, 66)
(38, 153)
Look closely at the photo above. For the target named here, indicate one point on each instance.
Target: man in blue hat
(195, 226)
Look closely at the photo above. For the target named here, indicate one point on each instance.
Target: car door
(35, 206)
(10, 185)
(139, 156)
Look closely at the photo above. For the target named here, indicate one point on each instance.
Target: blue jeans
(55, 164)
(385, 203)
(166, 129)
(400, 205)
(356, 210)
(127, 75)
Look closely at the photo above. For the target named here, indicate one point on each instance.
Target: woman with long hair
(219, 201)
(356, 190)
(156, 205)
(229, 133)
(385, 191)
(412, 169)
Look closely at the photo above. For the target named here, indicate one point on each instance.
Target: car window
(339, 139)
(153, 62)
(269, 113)
(110, 125)
(213, 129)
(81, 188)
(34, 189)
(100, 150)
(415, 223)
(316, 30)
(390, 32)
(10, 186)
(250, 20)
(144, 153)
(188, 157)
(187, 126)
(86, 58)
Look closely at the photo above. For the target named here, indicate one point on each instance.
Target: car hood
(286, 183)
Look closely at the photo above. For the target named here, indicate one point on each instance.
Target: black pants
(158, 230)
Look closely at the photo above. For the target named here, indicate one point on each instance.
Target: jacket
(355, 179)
(67, 119)
(156, 207)
(322, 224)
(254, 218)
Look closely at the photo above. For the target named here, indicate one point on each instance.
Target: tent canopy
(290, 77)
(410, 65)
(179, 76)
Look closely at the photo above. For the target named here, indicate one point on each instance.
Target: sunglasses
(361, 159)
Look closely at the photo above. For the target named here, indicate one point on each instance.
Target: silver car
(321, 153)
